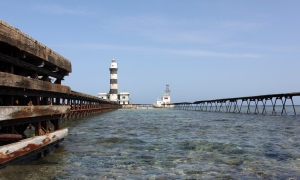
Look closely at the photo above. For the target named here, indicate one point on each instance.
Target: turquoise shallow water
(171, 144)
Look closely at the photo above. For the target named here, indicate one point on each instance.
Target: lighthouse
(113, 80)
(113, 95)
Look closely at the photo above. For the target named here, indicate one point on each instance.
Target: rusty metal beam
(28, 120)
(18, 149)
(10, 137)
(18, 112)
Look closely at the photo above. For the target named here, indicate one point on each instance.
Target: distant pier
(234, 105)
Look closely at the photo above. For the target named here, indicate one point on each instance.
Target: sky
(203, 49)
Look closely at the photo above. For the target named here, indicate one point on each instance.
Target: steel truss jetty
(32, 96)
(234, 105)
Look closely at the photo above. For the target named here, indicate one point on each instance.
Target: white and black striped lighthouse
(113, 81)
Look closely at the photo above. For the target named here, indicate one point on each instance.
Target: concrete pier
(31, 95)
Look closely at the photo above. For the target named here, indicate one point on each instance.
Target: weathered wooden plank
(21, 148)
(28, 66)
(11, 80)
(24, 42)
(18, 112)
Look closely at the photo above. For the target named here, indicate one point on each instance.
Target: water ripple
(171, 144)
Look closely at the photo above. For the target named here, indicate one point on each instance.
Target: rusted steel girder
(18, 112)
(18, 149)
(92, 109)
(79, 111)
(28, 120)
(10, 137)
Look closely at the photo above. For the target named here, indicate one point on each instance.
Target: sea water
(170, 144)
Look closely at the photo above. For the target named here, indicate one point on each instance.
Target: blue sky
(203, 49)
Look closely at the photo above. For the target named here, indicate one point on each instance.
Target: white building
(121, 98)
(103, 95)
(165, 99)
(124, 98)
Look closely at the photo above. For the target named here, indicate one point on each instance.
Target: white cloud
(203, 53)
(184, 52)
(237, 25)
(266, 48)
(162, 29)
(194, 37)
